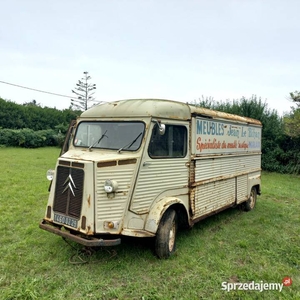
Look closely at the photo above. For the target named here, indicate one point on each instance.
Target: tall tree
(292, 120)
(295, 96)
(83, 92)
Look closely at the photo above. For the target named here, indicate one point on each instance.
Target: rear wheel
(166, 234)
(250, 203)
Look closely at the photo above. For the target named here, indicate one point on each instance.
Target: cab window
(172, 144)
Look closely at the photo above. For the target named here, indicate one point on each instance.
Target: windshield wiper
(97, 142)
(129, 145)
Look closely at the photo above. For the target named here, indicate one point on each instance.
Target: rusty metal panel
(225, 166)
(159, 108)
(213, 196)
(112, 207)
(195, 110)
(157, 177)
(140, 108)
(242, 188)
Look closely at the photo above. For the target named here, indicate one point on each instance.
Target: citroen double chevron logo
(69, 184)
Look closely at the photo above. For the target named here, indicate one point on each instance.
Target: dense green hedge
(31, 126)
(29, 138)
(33, 116)
(283, 157)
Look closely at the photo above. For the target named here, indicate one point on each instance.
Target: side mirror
(161, 128)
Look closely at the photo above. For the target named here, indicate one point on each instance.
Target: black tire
(250, 203)
(165, 241)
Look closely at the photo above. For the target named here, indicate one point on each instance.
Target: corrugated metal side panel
(156, 178)
(225, 166)
(113, 208)
(213, 196)
(242, 188)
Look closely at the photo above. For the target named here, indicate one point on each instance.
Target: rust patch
(89, 201)
(192, 201)
(192, 172)
(89, 231)
(215, 179)
(205, 112)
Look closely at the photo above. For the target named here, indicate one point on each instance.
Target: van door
(164, 168)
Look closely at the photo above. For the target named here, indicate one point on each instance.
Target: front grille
(69, 191)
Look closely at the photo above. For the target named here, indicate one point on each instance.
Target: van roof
(158, 108)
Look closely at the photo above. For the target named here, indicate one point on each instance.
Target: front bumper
(92, 242)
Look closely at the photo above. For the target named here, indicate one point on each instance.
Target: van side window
(170, 145)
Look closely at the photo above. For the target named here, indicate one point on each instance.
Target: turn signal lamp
(111, 224)
(50, 174)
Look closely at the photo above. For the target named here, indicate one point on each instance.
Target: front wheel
(166, 234)
(250, 203)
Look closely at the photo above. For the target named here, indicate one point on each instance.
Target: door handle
(146, 163)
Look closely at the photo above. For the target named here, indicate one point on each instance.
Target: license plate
(65, 220)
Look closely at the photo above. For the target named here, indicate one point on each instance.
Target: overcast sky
(168, 49)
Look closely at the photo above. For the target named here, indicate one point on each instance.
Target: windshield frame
(110, 130)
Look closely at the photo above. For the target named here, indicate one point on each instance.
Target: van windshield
(126, 136)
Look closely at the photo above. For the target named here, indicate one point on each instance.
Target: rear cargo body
(145, 167)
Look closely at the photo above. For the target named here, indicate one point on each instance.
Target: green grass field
(234, 246)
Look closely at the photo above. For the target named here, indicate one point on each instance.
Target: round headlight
(50, 174)
(110, 186)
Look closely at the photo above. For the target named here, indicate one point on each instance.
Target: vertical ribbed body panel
(242, 188)
(221, 181)
(158, 177)
(213, 196)
(112, 207)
